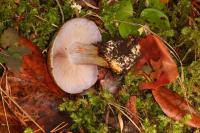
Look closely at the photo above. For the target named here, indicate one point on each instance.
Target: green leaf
(155, 4)
(155, 18)
(130, 26)
(124, 9)
(28, 130)
(126, 29)
(120, 11)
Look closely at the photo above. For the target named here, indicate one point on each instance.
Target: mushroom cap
(69, 76)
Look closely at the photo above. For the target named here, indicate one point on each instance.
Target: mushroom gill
(73, 59)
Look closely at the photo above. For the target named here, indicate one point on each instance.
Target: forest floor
(177, 23)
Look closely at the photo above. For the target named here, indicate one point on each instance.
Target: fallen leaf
(35, 68)
(34, 90)
(154, 53)
(131, 106)
(175, 106)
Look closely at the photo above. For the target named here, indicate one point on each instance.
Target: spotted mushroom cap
(70, 75)
(121, 54)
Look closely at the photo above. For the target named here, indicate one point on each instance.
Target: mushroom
(73, 59)
(121, 54)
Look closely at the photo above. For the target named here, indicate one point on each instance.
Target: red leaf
(175, 106)
(154, 53)
(131, 106)
(35, 69)
(35, 91)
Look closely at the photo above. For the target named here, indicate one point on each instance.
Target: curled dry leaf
(131, 106)
(154, 52)
(134, 126)
(175, 106)
(35, 91)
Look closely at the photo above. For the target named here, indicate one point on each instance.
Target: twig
(195, 10)
(126, 116)
(90, 5)
(196, 5)
(183, 87)
(2, 99)
(21, 109)
(17, 114)
(94, 15)
(130, 113)
(54, 25)
(59, 127)
(61, 11)
(112, 112)
(186, 54)
(5, 54)
(107, 115)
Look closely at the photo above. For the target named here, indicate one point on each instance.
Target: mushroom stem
(86, 54)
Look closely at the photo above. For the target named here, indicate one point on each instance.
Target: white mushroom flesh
(69, 76)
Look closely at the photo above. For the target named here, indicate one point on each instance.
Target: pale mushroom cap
(70, 77)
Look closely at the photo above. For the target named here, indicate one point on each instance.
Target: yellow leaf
(141, 30)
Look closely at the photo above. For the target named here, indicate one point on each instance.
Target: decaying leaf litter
(130, 20)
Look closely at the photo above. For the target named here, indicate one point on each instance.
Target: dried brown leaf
(154, 52)
(35, 91)
(175, 106)
(131, 106)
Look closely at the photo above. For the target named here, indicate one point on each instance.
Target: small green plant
(28, 130)
(87, 113)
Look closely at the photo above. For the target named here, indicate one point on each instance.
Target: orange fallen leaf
(131, 106)
(35, 68)
(175, 106)
(35, 91)
(154, 53)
